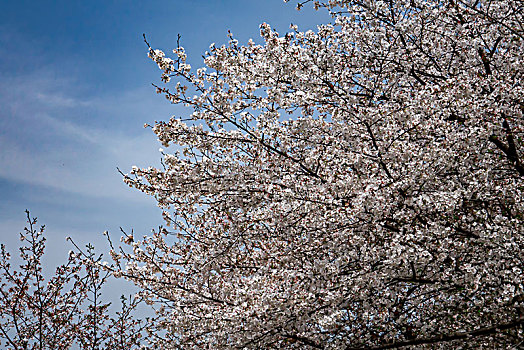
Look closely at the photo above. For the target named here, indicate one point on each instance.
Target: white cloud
(44, 144)
(59, 100)
(89, 170)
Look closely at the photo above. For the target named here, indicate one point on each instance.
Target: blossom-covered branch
(360, 185)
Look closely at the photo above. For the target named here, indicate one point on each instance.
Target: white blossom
(358, 186)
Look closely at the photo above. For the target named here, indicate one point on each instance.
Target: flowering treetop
(360, 186)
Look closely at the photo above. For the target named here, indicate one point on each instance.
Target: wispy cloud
(59, 100)
(44, 143)
(90, 171)
(64, 129)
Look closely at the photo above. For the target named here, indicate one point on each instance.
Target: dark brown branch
(466, 233)
(485, 61)
(417, 78)
(446, 337)
(415, 280)
(494, 48)
(510, 153)
(304, 340)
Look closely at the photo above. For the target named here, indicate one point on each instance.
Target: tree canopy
(357, 186)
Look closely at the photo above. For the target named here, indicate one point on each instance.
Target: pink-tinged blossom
(358, 186)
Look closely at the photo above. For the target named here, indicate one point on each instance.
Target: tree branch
(446, 338)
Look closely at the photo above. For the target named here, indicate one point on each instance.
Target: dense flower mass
(357, 186)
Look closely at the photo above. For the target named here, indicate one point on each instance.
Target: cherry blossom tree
(358, 186)
(65, 311)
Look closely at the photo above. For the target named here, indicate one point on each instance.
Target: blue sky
(75, 92)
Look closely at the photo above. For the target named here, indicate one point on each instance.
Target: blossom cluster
(357, 186)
